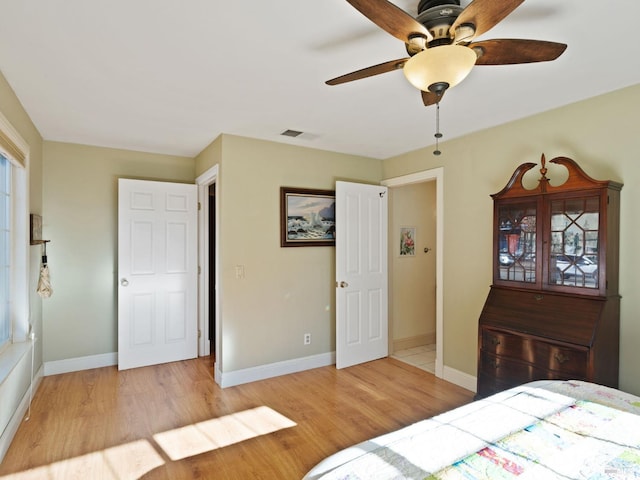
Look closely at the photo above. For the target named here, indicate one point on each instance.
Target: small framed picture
(36, 229)
(407, 241)
(307, 217)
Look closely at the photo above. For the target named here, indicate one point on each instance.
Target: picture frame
(407, 242)
(307, 217)
(35, 230)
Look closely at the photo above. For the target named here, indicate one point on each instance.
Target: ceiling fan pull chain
(438, 135)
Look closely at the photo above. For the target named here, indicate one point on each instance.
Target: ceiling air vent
(291, 133)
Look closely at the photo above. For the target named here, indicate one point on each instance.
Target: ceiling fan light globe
(444, 64)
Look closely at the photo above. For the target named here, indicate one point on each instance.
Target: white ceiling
(169, 76)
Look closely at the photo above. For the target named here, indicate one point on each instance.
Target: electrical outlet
(307, 339)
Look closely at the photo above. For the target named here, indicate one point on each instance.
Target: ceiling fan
(440, 43)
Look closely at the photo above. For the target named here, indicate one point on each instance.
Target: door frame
(437, 175)
(204, 181)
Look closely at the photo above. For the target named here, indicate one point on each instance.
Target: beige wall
(413, 279)
(210, 156)
(286, 292)
(80, 219)
(601, 135)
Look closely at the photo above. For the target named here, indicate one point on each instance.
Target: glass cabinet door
(517, 242)
(574, 252)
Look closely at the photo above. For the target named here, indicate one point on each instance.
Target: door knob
(124, 282)
(343, 284)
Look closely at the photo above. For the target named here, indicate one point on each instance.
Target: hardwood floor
(173, 422)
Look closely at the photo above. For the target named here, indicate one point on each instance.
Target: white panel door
(361, 273)
(157, 272)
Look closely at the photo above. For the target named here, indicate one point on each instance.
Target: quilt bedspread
(544, 430)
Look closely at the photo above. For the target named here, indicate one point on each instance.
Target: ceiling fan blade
(484, 14)
(512, 51)
(369, 71)
(391, 19)
(430, 98)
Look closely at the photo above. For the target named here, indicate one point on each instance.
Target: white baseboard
(246, 375)
(459, 378)
(80, 363)
(18, 416)
(217, 374)
(263, 372)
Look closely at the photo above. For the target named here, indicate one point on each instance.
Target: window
(5, 250)
(14, 236)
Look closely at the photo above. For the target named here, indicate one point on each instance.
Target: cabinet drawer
(506, 345)
(507, 371)
(544, 355)
(511, 372)
(572, 362)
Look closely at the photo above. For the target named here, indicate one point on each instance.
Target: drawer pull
(538, 297)
(561, 358)
(495, 341)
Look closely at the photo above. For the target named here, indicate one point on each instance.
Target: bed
(541, 430)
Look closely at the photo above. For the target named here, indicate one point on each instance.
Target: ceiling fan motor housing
(426, 4)
(438, 16)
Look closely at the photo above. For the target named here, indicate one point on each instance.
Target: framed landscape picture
(307, 217)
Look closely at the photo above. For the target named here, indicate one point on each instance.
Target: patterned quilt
(543, 430)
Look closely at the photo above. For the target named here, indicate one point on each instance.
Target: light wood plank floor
(173, 422)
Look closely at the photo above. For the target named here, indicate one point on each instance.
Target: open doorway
(434, 255)
(208, 262)
(212, 268)
(412, 267)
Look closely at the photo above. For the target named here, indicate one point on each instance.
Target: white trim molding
(459, 378)
(12, 134)
(262, 372)
(237, 377)
(80, 363)
(16, 419)
(204, 181)
(436, 174)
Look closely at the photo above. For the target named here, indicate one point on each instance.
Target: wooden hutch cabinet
(553, 309)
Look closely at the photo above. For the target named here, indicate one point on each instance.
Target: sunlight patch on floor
(135, 459)
(129, 461)
(221, 432)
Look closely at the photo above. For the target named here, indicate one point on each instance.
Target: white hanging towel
(44, 283)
